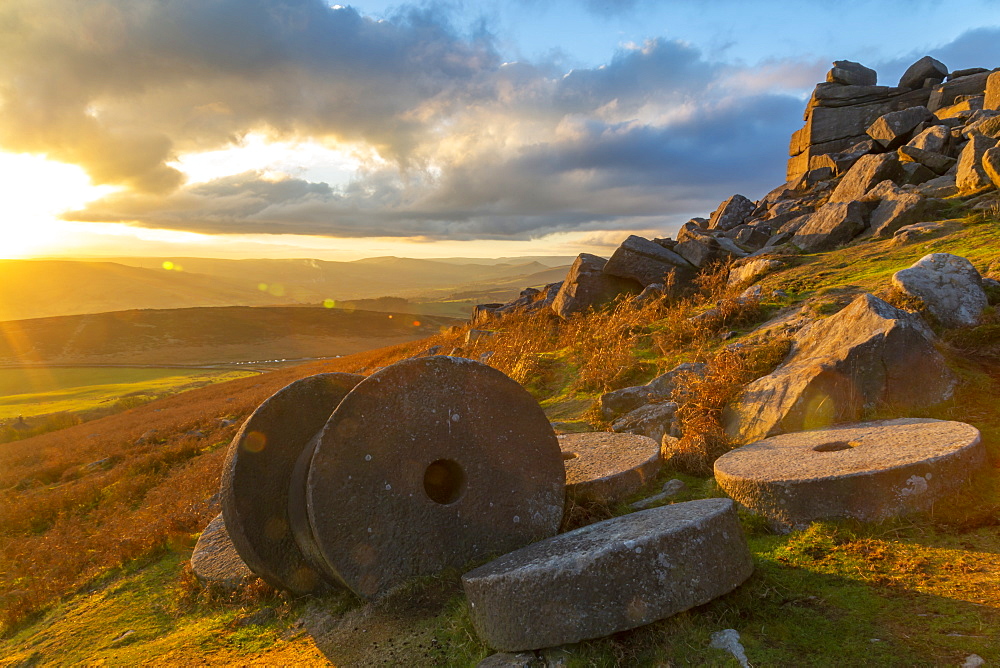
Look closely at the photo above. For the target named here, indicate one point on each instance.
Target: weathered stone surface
(971, 176)
(991, 165)
(936, 162)
(942, 186)
(645, 262)
(670, 489)
(832, 225)
(484, 313)
(869, 471)
(945, 94)
(914, 174)
(989, 127)
(734, 211)
(936, 138)
(619, 402)
(962, 109)
(851, 73)
(215, 560)
(608, 467)
(920, 71)
(866, 172)
(512, 660)
(652, 420)
(949, 286)
(894, 129)
(753, 270)
(257, 479)
(924, 230)
(868, 354)
(992, 100)
(587, 286)
(609, 576)
(430, 463)
(957, 74)
(897, 209)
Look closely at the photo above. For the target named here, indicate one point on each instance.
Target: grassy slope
(920, 591)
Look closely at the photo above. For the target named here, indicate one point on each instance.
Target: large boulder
(936, 138)
(971, 176)
(992, 100)
(750, 271)
(869, 354)
(647, 262)
(832, 225)
(734, 211)
(894, 129)
(945, 94)
(896, 208)
(917, 74)
(936, 162)
(587, 286)
(948, 285)
(866, 172)
(652, 420)
(851, 73)
(991, 165)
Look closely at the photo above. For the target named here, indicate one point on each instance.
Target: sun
(36, 190)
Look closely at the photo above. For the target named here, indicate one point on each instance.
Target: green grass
(40, 391)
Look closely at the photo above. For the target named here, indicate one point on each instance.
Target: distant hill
(208, 335)
(39, 288)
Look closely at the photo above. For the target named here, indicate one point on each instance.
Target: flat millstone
(428, 464)
(608, 467)
(609, 576)
(868, 471)
(215, 560)
(257, 475)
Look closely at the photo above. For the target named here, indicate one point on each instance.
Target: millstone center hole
(566, 455)
(444, 481)
(834, 446)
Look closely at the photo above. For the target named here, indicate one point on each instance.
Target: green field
(40, 390)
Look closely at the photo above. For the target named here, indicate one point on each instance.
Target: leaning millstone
(869, 471)
(867, 355)
(215, 560)
(609, 576)
(257, 478)
(949, 285)
(608, 467)
(587, 286)
(430, 463)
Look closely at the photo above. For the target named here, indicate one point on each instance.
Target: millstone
(608, 467)
(869, 471)
(609, 576)
(430, 463)
(215, 560)
(257, 475)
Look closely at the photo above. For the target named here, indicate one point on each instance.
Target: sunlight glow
(36, 190)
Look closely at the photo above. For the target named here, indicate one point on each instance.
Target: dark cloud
(471, 147)
(979, 47)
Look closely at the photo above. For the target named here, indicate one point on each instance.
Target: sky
(302, 128)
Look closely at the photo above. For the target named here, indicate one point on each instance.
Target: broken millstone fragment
(869, 471)
(430, 463)
(215, 560)
(607, 467)
(609, 576)
(256, 479)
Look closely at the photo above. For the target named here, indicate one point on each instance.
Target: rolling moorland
(69, 287)
(99, 519)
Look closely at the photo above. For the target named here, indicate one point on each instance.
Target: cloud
(470, 147)
(979, 47)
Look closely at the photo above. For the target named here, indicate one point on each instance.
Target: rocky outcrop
(647, 262)
(834, 224)
(868, 354)
(992, 93)
(732, 212)
(867, 172)
(971, 175)
(948, 285)
(587, 286)
(894, 129)
(920, 73)
(897, 207)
